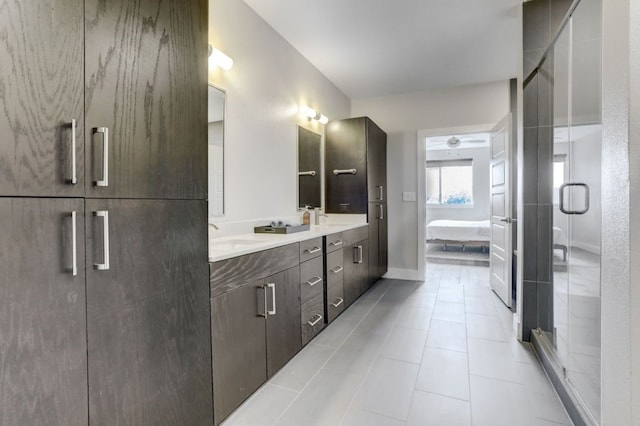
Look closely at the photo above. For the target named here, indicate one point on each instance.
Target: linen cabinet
(103, 117)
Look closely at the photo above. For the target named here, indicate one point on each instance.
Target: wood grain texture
(376, 162)
(283, 328)
(310, 312)
(355, 235)
(41, 91)
(43, 366)
(148, 316)
(334, 242)
(335, 261)
(239, 349)
(229, 274)
(335, 293)
(146, 80)
(309, 249)
(309, 271)
(374, 249)
(383, 243)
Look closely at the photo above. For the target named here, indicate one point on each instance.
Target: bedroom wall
(481, 182)
(402, 116)
(267, 83)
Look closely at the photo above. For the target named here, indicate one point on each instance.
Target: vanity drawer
(311, 279)
(335, 267)
(310, 249)
(355, 235)
(335, 301)
(334, 242)
(312, 318)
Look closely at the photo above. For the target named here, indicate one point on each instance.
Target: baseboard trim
(402, 274)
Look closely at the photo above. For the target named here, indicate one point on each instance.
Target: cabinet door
(362, 267)
(43, 351)
(374, 231)
(346, 149)
(383, 242)
(148, 313)
(146, 85)
(352, 271)
(41, 72)
(283, 323)
(376, 162)
(239, 350)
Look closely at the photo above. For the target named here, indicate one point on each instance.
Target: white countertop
(237, 245)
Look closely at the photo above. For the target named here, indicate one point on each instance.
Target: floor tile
(418, 317)
(485, 327)
(356, 354)
(479, 305)
(388, 388)
(404, 344)
(548, 407)
(436, 410)
(323, 402)
(301, 369)
(451, 294)
(263, 407)
(360, 417)
(445, 373)
(499, 403)
(447, 335)
(335, 333)
(447, 311)
(490, 358)
(379, 320)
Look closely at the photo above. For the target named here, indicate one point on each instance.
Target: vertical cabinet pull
(74, 173)
(263, 314)
(105, 156)
(74, 245)
(381, 212)
(357, 254)
(380, 193)
(105, 240)
(272, 286)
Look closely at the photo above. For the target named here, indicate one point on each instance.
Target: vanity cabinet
(356, 264)
(356, 181)
(335, 282)
(255, 322)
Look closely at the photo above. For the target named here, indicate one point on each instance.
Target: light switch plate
(408, 196)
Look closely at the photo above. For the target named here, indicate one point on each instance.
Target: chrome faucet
(317, 214)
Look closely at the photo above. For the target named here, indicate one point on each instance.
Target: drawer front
(311, 279)
(312, 318)
(352, 236)
(335, 267)
(310, 249)
(335, 301)
(334, 242)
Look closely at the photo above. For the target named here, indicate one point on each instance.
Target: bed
(560, 241)
(459, 232)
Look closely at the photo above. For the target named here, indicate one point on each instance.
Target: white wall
(481, 182)
(268, 81)
(402, 116)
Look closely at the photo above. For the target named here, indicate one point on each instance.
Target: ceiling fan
(455, 141)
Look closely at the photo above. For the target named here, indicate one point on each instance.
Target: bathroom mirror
(309, 172)
(216, 150)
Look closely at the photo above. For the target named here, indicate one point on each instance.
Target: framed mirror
(309, 168)
(215, 119)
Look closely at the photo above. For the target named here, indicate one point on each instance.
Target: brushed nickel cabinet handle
(337, 269)
(104, 214)
(74, 244)
(317, 280)
(338, 302)
(380, 193)
(381, 212)
(105, 156)
(262, 314)
(309, 173)
(74, 172)
(272, 286)
(313, 250)
(345, 172)
(336, 243)
(313, 323)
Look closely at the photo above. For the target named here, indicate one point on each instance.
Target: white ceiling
(373, 48)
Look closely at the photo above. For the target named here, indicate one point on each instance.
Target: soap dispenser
(306, 216)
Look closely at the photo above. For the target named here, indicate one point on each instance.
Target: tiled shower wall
(541, 21)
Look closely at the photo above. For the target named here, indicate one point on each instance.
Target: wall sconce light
(218, 58)
(312, 114)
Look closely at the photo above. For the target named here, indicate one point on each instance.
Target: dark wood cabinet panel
(383, 242)
(376, 162)
(374, 249)
(310, 249)
(312, 318)
(148, 314)
(362, 268)
(146, 82)
(335, 267)
(41, 73)
(43, 373)
(239, 350)
(356, 271)
(335, 301)
(283, 327)
(311, 278)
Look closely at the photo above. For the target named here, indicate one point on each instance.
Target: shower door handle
(586, 198)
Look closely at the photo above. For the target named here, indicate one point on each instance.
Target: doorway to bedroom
(457, 184)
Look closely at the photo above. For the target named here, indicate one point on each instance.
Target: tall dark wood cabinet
(124, 336)
(356, 181)
(43, 349)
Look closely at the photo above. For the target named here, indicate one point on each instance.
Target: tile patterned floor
(439, 352)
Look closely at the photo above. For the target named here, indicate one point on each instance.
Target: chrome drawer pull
(105, 156)
(74, 173)
(272, 286)
(313, 323)
(337, 269)
(336, 243)
(338, 302)
(317, 280)
(309, 173)
(104, 214)
(345, 172)
(313, 250)
(74, 246)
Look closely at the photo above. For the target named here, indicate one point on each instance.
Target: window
(558, 176)
(450, 183)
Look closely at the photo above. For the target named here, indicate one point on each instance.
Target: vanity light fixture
(218, 58)
(312, 114)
